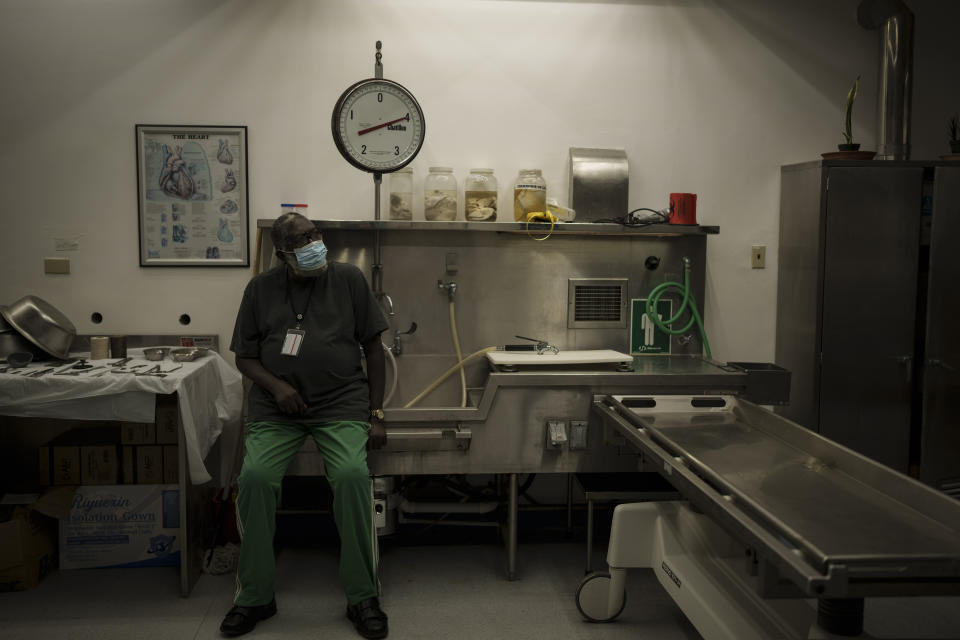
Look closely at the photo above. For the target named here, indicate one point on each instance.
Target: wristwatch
(376, 413)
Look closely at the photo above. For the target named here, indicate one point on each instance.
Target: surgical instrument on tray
(65, 372)
(39, 372)
(540, 347)
(157, 371)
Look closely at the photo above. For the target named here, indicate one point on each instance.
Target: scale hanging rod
(377, 267)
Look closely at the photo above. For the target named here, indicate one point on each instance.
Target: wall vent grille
(597, 303)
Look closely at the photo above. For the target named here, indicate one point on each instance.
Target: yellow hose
(456, 346)
(436, 383)
(540, 216)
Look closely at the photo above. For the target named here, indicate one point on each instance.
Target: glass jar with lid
(401, 194)
(480, 196)
(440, 194)
(529, 194)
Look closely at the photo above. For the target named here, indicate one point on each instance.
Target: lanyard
(299, 316)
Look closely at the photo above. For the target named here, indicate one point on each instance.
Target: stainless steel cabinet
(868, 254)
(940, 435)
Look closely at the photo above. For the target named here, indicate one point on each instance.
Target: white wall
(707, 96)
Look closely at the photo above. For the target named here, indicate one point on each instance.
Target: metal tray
(188, 354)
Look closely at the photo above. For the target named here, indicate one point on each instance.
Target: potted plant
(954, 129)
(850, 145)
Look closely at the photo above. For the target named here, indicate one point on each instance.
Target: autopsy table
(816, 520)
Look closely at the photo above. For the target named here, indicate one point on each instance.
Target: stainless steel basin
(42, 324)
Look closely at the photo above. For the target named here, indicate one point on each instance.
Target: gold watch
(376, 413)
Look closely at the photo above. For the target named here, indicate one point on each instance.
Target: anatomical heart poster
(192, 195)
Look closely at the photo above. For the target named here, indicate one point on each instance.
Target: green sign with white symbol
(645, 338)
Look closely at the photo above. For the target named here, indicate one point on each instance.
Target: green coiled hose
(664, 325)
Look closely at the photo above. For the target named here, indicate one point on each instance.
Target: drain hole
(646, 403)
(708, 402)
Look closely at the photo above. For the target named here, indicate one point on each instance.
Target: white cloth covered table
(210, 396)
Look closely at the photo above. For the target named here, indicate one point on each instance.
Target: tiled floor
(432, 592)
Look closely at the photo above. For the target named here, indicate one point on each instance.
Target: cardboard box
(129, 464)
(149, 464)
(138, 433)
(167, 421)
(28, 548)
(99, 464)
(65, 465)
(82, 455)
(171, 464)
(121, 526)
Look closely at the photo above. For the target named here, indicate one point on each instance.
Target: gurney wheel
(593, 598)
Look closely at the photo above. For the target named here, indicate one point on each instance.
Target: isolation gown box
(121, 526)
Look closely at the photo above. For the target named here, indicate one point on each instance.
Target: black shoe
(240, 620)
(368, 618)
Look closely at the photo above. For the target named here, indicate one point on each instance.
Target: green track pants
(269, 448)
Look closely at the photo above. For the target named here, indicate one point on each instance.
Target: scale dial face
(378, 126)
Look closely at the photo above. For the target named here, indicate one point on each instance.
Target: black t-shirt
(341, 313)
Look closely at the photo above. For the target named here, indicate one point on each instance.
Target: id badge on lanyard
(292, 342)
(294, 338)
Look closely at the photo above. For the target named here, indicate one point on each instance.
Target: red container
(683, 208)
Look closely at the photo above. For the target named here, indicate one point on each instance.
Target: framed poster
(192, 196)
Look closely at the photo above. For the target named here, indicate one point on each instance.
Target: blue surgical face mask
(312, 256)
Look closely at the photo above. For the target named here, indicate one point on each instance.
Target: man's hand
(288, 399)
(377, 436)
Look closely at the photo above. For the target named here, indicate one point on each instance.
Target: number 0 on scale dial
(378, 126)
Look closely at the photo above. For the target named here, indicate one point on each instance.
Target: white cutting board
(514, 358)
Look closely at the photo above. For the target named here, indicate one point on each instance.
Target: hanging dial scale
(378, 127)
(377, 124)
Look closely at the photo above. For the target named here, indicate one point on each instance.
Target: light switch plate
(56, 265)
(758, 256)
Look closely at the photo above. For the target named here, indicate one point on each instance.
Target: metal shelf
(574, 228)
(800, 166)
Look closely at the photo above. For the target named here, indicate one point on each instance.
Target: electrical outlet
(556, 434)
(578, 435)
(758, 256)
(380, 513)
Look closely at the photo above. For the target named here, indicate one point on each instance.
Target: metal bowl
(13, 342)
(42, 324)
(155, 353)
(19, 358)
(188, 354)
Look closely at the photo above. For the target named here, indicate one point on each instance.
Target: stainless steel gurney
(817, 519)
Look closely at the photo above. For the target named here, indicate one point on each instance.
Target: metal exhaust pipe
(895, 87)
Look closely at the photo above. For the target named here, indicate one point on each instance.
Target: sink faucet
(383, 297)
(397, 348)
(450, 287)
